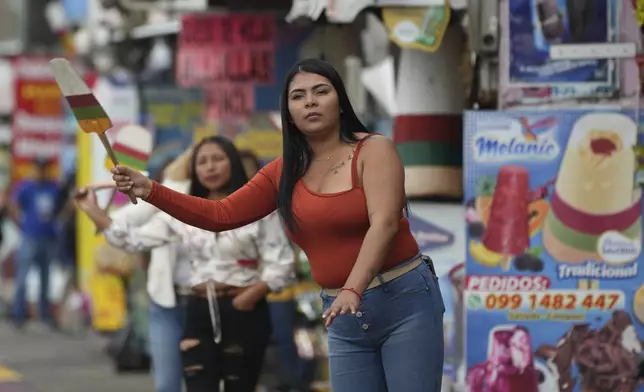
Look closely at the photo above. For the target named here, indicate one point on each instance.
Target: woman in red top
(340, 191)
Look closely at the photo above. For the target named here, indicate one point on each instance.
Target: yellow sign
(421, 28)
(203, 132)
(639, 12)
(108, 302)
(263, 143)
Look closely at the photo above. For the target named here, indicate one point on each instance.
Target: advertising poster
(554, 296)
(38, 120)
(533, 26)
(439, 231)
(227, 55)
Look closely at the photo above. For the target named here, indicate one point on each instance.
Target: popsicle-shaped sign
(88, 111)
(132, 147)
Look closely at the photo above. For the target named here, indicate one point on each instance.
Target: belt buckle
(430, 263)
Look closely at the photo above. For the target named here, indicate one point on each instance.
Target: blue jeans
(33, 252)
(394, 343)
(166, 331)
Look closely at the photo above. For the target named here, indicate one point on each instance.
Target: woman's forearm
(375, 247)
(99, 217)
(248, 204)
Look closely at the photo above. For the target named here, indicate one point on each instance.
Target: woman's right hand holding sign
(127, 179)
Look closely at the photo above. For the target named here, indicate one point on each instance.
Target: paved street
(38, 360)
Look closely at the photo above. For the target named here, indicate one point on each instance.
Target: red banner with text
(38, 120)
(227, 56)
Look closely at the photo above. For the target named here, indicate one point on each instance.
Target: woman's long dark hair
(238, 175)
(297, 154)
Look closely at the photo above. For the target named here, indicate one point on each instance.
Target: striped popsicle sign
(89, 113)
(132, 146)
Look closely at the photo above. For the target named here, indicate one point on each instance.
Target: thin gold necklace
(335, 168)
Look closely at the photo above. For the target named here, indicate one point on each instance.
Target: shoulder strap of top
(354, 161)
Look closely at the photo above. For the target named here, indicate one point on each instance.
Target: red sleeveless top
(330, 226)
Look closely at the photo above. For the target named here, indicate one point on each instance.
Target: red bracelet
(354, 291)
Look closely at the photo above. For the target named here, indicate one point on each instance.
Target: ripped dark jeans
(237, 360)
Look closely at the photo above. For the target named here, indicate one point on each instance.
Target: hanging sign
(229, 101)
(226, 48)
(38, 119)
(416, 27)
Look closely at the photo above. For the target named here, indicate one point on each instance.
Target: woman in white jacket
(222, 278)
(166, 315)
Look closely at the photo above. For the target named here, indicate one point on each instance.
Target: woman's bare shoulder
(376, 142)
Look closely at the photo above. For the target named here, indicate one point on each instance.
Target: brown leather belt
(384, 277)
(202, 292)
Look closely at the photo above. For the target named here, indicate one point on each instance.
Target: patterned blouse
(257, 252)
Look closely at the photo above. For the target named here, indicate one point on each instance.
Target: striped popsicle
(132, 146)
(88, 111)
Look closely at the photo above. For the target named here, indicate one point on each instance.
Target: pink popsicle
(507, 231)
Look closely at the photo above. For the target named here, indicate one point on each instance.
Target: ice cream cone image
(595, 191)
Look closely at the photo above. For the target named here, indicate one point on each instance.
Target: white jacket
(162, 259)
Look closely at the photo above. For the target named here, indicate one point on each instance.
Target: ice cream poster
(534, 25)
(554, 296)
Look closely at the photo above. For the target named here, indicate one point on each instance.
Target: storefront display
(553, 290)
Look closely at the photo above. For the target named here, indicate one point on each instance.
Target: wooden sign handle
(110, 153)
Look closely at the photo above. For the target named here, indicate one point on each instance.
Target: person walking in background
(166, 313)
(65, 214)
(223, 279)
(340, 191)
(33, 208)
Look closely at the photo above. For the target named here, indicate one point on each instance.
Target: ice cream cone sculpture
(428, 126)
